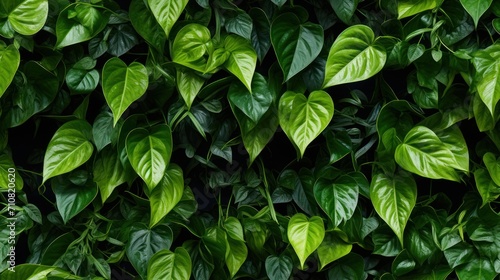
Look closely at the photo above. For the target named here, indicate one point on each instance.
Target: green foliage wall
(264, 139)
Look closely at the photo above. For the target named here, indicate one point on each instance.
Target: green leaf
(333, 248)
(242, 59)
(296, 44)
(82, 78)
(71, 199)
(189, 85)
(493, 165)
(145, 24)
(344, 9)
(9, 59)
(167, 12)
(166, 194)
(122, 39)
(149, 152)
(170, 265)
(487, 77)
(338, 198)
(122, 84)
(402, 264)
(103, 131)
(69, 148)
(279, 267)
(7, 176)
(261, 32)
(215, 239)
(255, 103)
(476, 8)
(26, 17)
(339, 144)
(393, 198)
(190, 45)
(486, 187)
(236, 254)
(303, 119)
(350, 267)
(423, 153)
(461, 253)
(143, 243)
(79, 22)
(109, 172)
(407, 8)
(354, 56)
(305, 235)
(415, 51)
(480, 268)
(234, 229)
(239, 23)
(36, 271)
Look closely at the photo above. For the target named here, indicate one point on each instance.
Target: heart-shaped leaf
(72, 199)
(190, 45)
(423, 153)
(354, 56)
(344, 9)
(144, 242)
(79, 22)
(122, 84)
(279, 268)
(407, 8)
(493, 165)
(242, 59)
(476, 8)
(149, 152)
(487, 78)
(486, 187)
(305, 235)
(236, 254)
(393, 198)
(255, 103)
(189, 84)
(26, 17)
(296, 44)
(169, 265)
(9, 59)
(303, 119)
(333, 248)
(69, 148)
(166, 194)
(337, 198)
(109, 172)
(167, 12)
(145, 24)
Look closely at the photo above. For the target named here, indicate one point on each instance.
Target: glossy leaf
(354, 56)
(189, 85)
(239, 23)
(71, 199)
(338, 198)
(166, 194)
(296, 44)
(236, 254)
(190, 45)
(279, 267)
(167, 12)
(393, 198)
(493, 165)
(333, 248)
(242, 59)
(149, 153)
(69, 148)
(261, 34)
(476, 8)
(423, 153)
(350, 267)
(305, 235)
(9, 59)
(403, 263)
(407, 8)
(344, 9)
(7, 176)
(26, 17)
(143, 243)
(303, 119)
(109, 172)
(170, 265)
(79, 22)
(488, 73)
(122, 84)
(145, 24)
(339, 144)
(253, 104)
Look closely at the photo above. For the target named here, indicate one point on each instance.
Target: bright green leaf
(108, 172)
(189, 85)
(296, 44)
(236, 254)
(167, 12)
(242, 59)
(8, 173)
(170, 265)
(145, 24)
(122, 84)
(9, 59)
(393, 198)
(333, 248)
(303, 119)
(149, 152)
(354, 56)
(166, 194)
(190, 45)
(69, 148)
(305, 235)
(26, 17)
(476, 8)
(407, 8)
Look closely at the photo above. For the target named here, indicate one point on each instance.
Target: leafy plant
(155, 139)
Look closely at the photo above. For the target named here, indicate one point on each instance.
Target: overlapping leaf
(305, 235)
(167, 12)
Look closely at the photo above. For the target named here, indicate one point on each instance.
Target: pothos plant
(159, 139)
